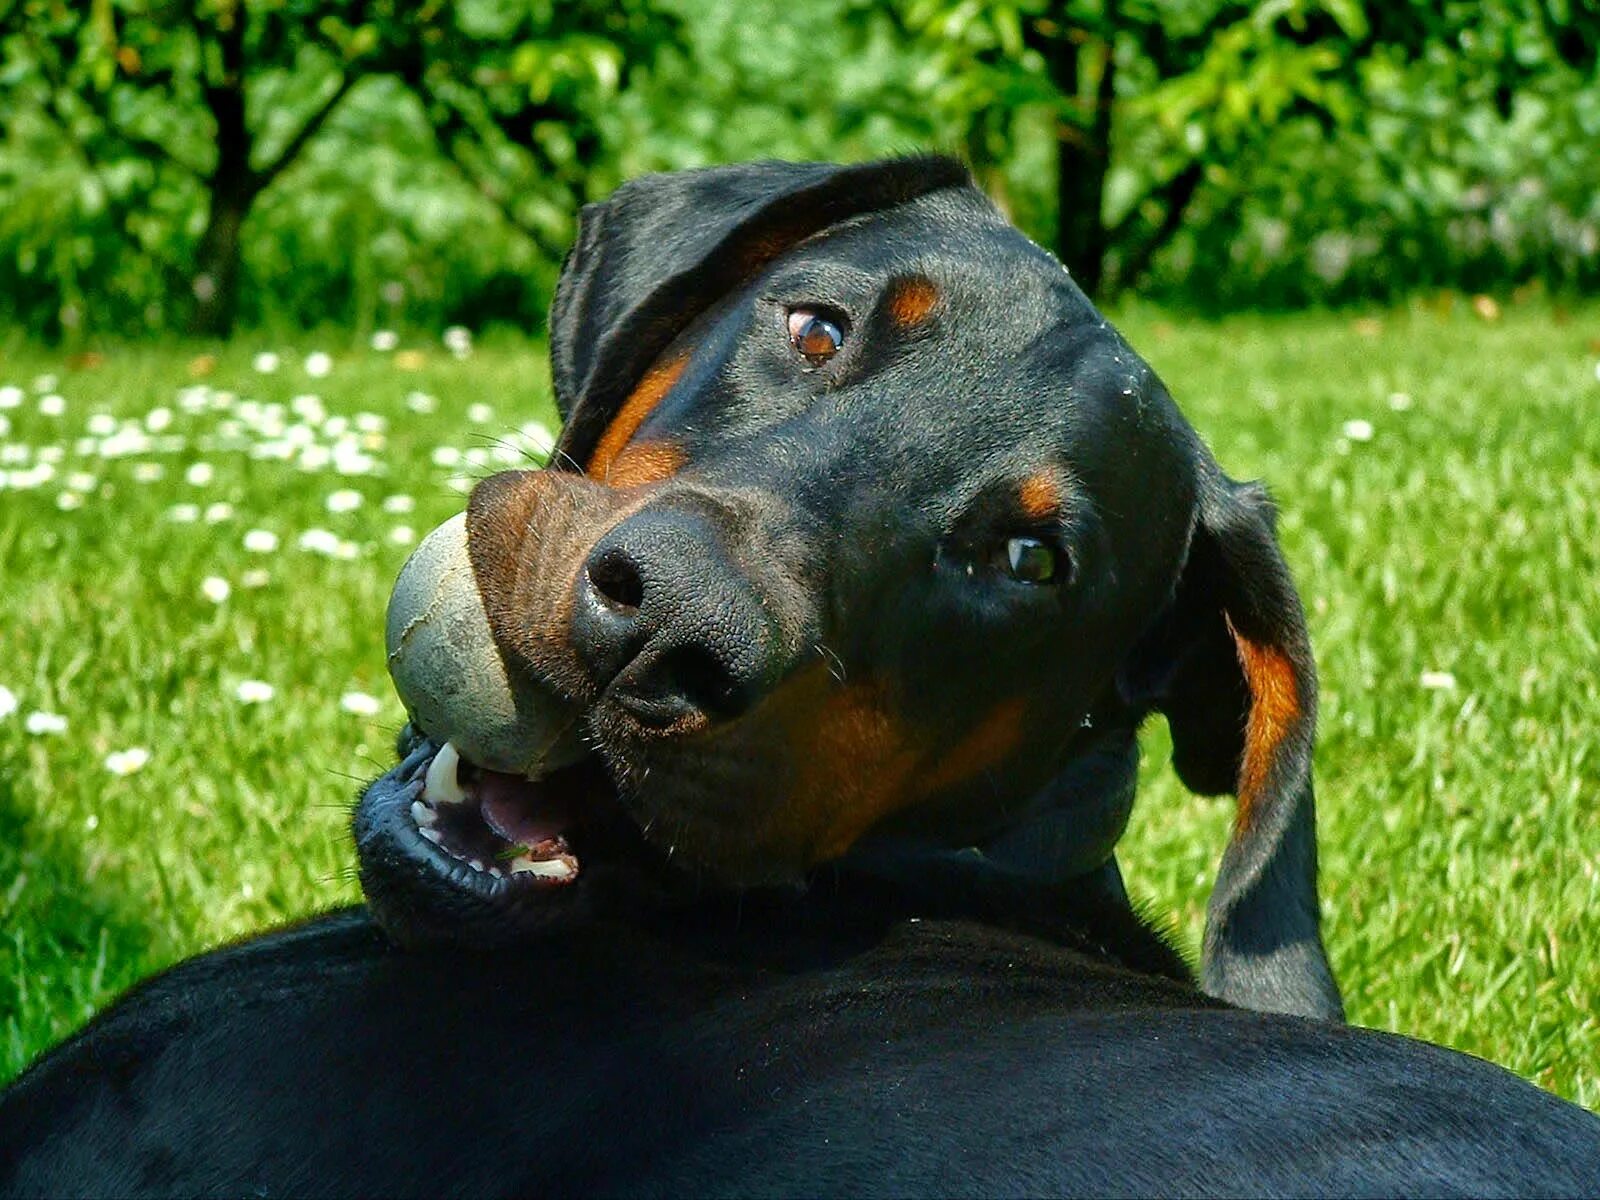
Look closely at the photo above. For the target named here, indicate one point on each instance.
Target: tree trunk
(1083, 156)
(217, 264)
(233, 189)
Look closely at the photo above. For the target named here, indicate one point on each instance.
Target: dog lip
(410, 819)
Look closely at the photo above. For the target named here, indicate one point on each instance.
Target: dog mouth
(450, 851)
(494, 824)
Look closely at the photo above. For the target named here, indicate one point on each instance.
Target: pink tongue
(522, 812)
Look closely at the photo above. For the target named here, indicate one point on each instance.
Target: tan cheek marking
(1274, 707)
(855, 766)
(986, 745)
(1040, 496)
(911, 301)
(645, 462)
(651, 390)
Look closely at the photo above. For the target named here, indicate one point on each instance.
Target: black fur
(966, 1035)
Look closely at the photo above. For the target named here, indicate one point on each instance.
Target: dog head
(866, 530)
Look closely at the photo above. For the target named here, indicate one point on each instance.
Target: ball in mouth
(452, 676)
(496, 804)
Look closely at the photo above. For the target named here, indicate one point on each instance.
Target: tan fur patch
(1274, 707)
(645, 462)
(911, 301)
(985, 746)
(651, 390)
(1040, 496)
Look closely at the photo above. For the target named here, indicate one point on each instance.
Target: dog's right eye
(814, 336)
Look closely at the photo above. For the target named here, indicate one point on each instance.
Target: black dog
(963, 1034)
(884, 545)
(883, 541)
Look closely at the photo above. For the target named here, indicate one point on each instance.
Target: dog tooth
(475, 863)
(497, 872)
(422, 814)
(432, 835)
(442, 786)
(548, 868)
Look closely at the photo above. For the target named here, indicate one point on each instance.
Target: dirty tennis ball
(451, 676)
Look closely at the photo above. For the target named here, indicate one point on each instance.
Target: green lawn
(1439, 477)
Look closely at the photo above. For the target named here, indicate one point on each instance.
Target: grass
(1459, 827)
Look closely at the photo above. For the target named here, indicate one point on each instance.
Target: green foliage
(162, 124)
(423, 162)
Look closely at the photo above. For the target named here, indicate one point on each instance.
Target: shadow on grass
(59, 904)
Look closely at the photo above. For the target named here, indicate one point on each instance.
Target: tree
(1163, 97)
(227, 94)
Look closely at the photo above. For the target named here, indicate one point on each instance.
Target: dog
(868, 547)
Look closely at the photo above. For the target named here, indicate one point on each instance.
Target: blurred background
(202, 165)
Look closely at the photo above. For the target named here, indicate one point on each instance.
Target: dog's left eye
(815, 336)
(1032, 560)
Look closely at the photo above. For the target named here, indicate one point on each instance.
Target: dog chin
(450, 852)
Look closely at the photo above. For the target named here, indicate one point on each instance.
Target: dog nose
(667, 622)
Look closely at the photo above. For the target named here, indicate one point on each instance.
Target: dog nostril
(704, 683)
(615, 577)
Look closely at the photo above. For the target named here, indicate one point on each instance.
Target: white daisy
(361, 704)
(199, 474)
(402, 535)
(41, 723)
(318, 364)
(385, 340)
(1358, 430)
(260, 541)
(126, 762)
(344, 500)
(265, 363)
(8, 702)
(254, 691)
(215, 588)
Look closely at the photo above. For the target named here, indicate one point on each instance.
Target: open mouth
(451, 851)
(495, 824)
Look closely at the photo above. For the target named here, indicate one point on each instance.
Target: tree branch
(1175, 195)
(448, 134)
(95, 101)
(263, 177)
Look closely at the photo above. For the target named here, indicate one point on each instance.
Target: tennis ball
(451, 676)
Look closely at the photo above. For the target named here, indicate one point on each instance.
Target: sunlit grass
(204, 616)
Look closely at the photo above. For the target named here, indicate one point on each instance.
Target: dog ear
(663, 248)
(1229, 664)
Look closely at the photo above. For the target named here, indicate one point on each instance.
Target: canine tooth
(432, 835)
(442, 786)
(548, 868)
(422, 814)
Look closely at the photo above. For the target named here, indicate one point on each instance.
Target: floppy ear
(664, 248)
(1230, 666)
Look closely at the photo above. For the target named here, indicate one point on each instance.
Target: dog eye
(816, 337)
(1032, 560)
